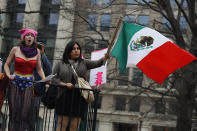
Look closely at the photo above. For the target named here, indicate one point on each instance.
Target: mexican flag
(153, 53)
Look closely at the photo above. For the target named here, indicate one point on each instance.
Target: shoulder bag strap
(74, 71)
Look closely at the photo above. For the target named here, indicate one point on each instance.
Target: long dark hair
(69, 47)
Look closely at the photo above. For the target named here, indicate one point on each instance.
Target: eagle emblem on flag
(143, 42)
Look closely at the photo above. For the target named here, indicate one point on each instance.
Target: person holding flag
(70, 105)
(153, 53)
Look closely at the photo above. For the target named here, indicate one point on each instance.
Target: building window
(50, 43)
(45, 19)
(120, 103)
(94, 3)
(7, 45)
(143, 20)
(1, 64)
(142, 1)
(49, 49)
(19, 17)
(0, 18)
(125, 127)
(173, 3)
(92, 21)
(163, 85)
(53, 19)
(162, 128)
(89, 47)
(131, 2)
(183, 24)
(105, 22)
(102, 44)
(137, 77)
(160, 107)
(106, 2)
(130, 18)
(15, 41)
(195, 110)
(97, 125)
(99, 102)
(22, 1)
(134, 104)
(55, 2)
(185, 4)
(123, 76)
(166, 24)
(172, 108)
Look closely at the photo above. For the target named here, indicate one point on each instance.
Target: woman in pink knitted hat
(27, 58)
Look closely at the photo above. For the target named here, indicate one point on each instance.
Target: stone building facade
(123, 104)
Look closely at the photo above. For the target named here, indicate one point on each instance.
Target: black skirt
(71, 103)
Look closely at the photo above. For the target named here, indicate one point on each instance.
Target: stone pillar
(31, 20)
(105, 126)
(145, 126)
(64, 29)
(3, 18)
(107, 102)
(3, 8)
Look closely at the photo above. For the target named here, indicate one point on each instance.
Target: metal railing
(46, 120)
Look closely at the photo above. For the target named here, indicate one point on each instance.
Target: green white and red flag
(156, 55)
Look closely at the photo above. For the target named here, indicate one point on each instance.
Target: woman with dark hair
(27, 58)
(70, 105)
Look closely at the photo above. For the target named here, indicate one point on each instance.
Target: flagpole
(114, 35)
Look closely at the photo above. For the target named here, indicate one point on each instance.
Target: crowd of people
(31, 64)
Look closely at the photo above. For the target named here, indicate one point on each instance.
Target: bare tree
(184, 79)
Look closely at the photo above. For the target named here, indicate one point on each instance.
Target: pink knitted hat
(27, 31)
